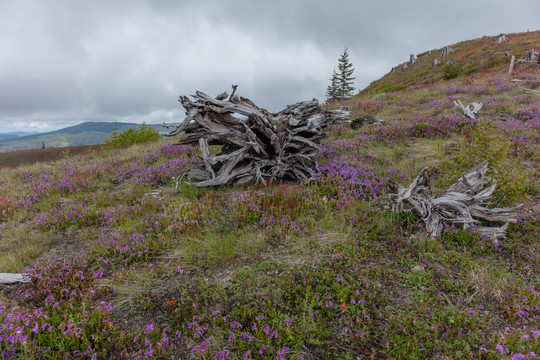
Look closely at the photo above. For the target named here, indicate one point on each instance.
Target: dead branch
(462, 203)
(471, 111)
(261, 146)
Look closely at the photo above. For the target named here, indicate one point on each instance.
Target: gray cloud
(66, 61)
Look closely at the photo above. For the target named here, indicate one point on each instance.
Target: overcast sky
(63, 62)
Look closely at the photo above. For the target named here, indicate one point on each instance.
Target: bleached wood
(531, 56)
(462, 203)
(471, 111)
(8, 278)
(446, 51)
(511, 67)
(263, 146)
(502, 38)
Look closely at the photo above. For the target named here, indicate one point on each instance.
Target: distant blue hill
(87, 133)
(16, 134)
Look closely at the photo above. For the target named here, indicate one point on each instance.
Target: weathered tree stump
(261, 146)
(445, 51)
(530, 56)
(462, 204)
(502, 38)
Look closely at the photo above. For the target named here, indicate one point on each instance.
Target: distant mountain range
(16, 134)
(87, 133)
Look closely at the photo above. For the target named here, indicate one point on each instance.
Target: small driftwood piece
(471, 111)
(436, 63)
(262, 146)
(365, 120)
(462, 203)
(7, 278)
(445, 51)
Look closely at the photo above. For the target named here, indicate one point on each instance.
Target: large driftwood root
(462, 203)
(262, 146)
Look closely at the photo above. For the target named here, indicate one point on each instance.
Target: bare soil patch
(25, 157)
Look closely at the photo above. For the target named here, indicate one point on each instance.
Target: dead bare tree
(462, 203)
(261, 146)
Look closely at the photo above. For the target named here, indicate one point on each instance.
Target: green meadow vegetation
(128, 260)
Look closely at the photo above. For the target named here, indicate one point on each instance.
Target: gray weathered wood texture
(471, 111)
(446, 51)
(265, 145)
(8, 278)
(502, 38)
(462, 203)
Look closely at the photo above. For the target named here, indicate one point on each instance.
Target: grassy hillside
(126, 263)
(478, 57)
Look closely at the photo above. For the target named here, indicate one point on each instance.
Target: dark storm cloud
(66, 61)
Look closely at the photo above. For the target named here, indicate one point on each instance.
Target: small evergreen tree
(332, 90)
(341, 86)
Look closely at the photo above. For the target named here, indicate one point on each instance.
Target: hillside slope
(127, 259)
(474, 58)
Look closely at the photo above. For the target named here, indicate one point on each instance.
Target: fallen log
(462, 203)
(365, 120)
(262, 146)
(8, 278)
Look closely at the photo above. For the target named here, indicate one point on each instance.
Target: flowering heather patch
(449, 331)
(514, 344)
(185, 272)
(521, 305)
(528, 113)
(58, 316)
(267, 211)
(145, 239)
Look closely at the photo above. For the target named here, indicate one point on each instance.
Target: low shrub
(143, 135)
(451, 71)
